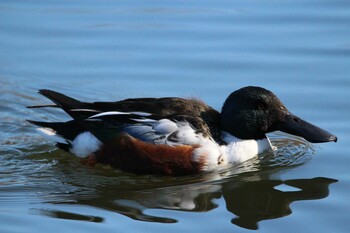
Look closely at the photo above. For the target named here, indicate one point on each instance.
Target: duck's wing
(146, 127)
(156, 128)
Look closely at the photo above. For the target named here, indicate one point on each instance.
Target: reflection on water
(249, 192)
(249, 201)
(256, 201)
(66, 215)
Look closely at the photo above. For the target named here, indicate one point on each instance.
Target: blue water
(110, 50)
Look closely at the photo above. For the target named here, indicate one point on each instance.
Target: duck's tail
(66, 130)
(62, 101)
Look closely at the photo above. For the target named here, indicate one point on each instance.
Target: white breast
(214, 156)
(243, 150)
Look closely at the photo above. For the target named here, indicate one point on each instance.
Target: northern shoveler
(174, 135)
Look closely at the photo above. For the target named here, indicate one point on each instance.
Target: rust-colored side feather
(130, 154)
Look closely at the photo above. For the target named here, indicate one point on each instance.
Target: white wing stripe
(144, 114)
(144, 120)
(110, 113)
(83, 110)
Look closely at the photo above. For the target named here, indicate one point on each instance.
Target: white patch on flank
(85, 144)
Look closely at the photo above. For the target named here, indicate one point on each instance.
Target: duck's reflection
(250, 200)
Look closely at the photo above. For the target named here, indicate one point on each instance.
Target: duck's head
(251, 112)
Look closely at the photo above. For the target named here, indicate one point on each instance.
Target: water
(109, 50)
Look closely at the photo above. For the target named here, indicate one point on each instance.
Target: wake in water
(291, 151)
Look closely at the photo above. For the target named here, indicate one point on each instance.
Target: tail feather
(68, 130)
(63, 101)
(43, 106)
(44, 124)
(69, 105)
(80, 112)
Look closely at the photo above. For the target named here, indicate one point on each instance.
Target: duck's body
(174, 135)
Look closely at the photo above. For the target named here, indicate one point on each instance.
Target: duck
(174, 136)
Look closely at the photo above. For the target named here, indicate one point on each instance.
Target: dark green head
(251, 112)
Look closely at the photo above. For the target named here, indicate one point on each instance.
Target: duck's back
(159, 106)
(203, 117)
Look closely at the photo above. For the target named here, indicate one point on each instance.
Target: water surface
(110, 50)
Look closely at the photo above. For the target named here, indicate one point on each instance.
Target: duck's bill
(294, 125)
